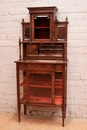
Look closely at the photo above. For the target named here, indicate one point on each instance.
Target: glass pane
(51, 50)
(42, 21)
(40, 89)
(42, 27)
(22, 86)
(61, 33)
(26, 33)
(58, 88)
(42, 33)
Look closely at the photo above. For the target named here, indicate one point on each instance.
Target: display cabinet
(41, 70)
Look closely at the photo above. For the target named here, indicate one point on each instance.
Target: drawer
(58, 68)
(22, 66)
(40, 67)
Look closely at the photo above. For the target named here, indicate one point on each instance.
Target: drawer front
(58, 68)
(22, 66)
(40, 67)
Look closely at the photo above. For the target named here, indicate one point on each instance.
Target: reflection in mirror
(61, 33)
(26, 33)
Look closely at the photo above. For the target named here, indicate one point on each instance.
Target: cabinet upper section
(44, 37)
(44, 26)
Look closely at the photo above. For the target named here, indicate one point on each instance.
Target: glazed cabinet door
(41, 27)
(40, 87)
(22, 87)
(58, 94)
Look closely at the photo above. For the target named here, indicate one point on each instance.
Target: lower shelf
(58, 101)
(42, 100)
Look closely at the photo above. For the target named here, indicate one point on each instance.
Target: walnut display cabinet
(42, 66)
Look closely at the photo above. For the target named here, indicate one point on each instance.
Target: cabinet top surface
(48, 8)
(42, 61)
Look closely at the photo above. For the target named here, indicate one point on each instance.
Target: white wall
(11, 14)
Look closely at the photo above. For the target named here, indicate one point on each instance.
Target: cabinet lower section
(41, 83)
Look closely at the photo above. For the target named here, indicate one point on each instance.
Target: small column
(65, 51)
(19, 48)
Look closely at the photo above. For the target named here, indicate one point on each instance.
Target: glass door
(22, 86)
(41, 27)
(58, 85)
(40, 88)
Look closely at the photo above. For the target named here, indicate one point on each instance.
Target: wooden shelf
(41, 27)
(59, 80)
(58, 100)
(47, 100)
(59, 84)
(39, 99)
(45, 42)
(40, 84)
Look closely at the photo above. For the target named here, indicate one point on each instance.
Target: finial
(22, 20)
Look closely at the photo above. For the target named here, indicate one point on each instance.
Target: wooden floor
(8, 121)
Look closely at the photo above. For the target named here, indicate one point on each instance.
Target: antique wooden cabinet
(42, 65)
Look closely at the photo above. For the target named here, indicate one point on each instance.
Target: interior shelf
(39, 99)
(58, 84)
(40, 84)
(41, 27)
(58, 100)
(59, 80)
(33, 99)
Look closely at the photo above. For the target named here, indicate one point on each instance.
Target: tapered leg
(63, 116)
(24, 109)
(19, 114)
(65, 111)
